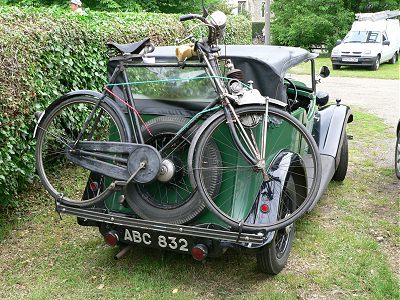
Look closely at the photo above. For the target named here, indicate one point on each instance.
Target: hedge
(46, 53)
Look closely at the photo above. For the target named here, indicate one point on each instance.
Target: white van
(373, 39)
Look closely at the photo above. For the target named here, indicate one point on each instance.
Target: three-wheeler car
(196, 149)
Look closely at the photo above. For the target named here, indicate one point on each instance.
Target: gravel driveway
(378, 96)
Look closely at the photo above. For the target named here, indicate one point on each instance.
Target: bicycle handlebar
(186, 18)
(193, 16)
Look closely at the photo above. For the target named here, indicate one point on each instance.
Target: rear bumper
(358, 60)
(145, 232)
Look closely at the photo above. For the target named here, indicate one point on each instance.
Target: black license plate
(157, 240)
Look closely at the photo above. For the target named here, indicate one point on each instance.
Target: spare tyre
(170, 197)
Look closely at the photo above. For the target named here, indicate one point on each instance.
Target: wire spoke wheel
(172, 187)
(249, 197)
(57, 132)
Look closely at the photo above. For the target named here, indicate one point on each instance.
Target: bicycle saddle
(132, 48)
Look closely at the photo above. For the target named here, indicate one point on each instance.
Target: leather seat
(132, 48)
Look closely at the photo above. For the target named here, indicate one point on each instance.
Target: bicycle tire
(285, 135)
(172, 199)
(65, 181)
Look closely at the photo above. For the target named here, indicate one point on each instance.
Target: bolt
(163, 170)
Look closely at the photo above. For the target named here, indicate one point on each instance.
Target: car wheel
(397, 156)
(376, 64)
(336, 67)
(170, 197)
(272, 258)
(341, 170)
(393, 59)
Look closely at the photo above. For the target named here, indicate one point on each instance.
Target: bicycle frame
(230, 111)
(132, 112)
(222, 101)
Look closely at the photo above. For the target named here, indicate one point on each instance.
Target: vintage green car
(205, 212)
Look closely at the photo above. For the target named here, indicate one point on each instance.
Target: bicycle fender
(86, 93)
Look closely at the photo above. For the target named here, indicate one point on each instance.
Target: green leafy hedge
(46, 53)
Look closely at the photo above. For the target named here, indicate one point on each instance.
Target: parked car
(373, 39)
(136, 216)
(228, 154)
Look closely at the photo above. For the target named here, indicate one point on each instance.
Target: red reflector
(199, 252)
(111, 238)
(94, 186)
(264, 208)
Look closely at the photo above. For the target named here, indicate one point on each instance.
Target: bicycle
(244, 157)
(260, 38)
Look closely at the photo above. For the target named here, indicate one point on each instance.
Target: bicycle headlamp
(218, 18)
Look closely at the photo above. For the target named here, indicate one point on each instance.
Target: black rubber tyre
(272, 258)
(393, 59)
(243, 184)
(397, 156)
(173, 201)
(376, 64)
(58, 128)
(341, 170)
(336, 67)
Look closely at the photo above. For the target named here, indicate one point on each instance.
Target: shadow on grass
(234, 273)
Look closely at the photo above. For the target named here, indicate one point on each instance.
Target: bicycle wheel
(249, 197)
(170, 197)
(57, 130)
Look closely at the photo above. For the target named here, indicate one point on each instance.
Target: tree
(319, 22)
(310, 22)
(371, 5)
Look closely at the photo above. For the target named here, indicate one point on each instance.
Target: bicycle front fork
(257, 153)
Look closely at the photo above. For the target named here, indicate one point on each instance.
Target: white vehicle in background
(374, 38)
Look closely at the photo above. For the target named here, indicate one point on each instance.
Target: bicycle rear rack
(194, 231)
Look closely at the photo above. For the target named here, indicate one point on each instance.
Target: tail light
(94, 186)
(111, 238)
(199, 252)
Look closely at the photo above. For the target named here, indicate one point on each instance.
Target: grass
(347, 248)
(385, 71)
